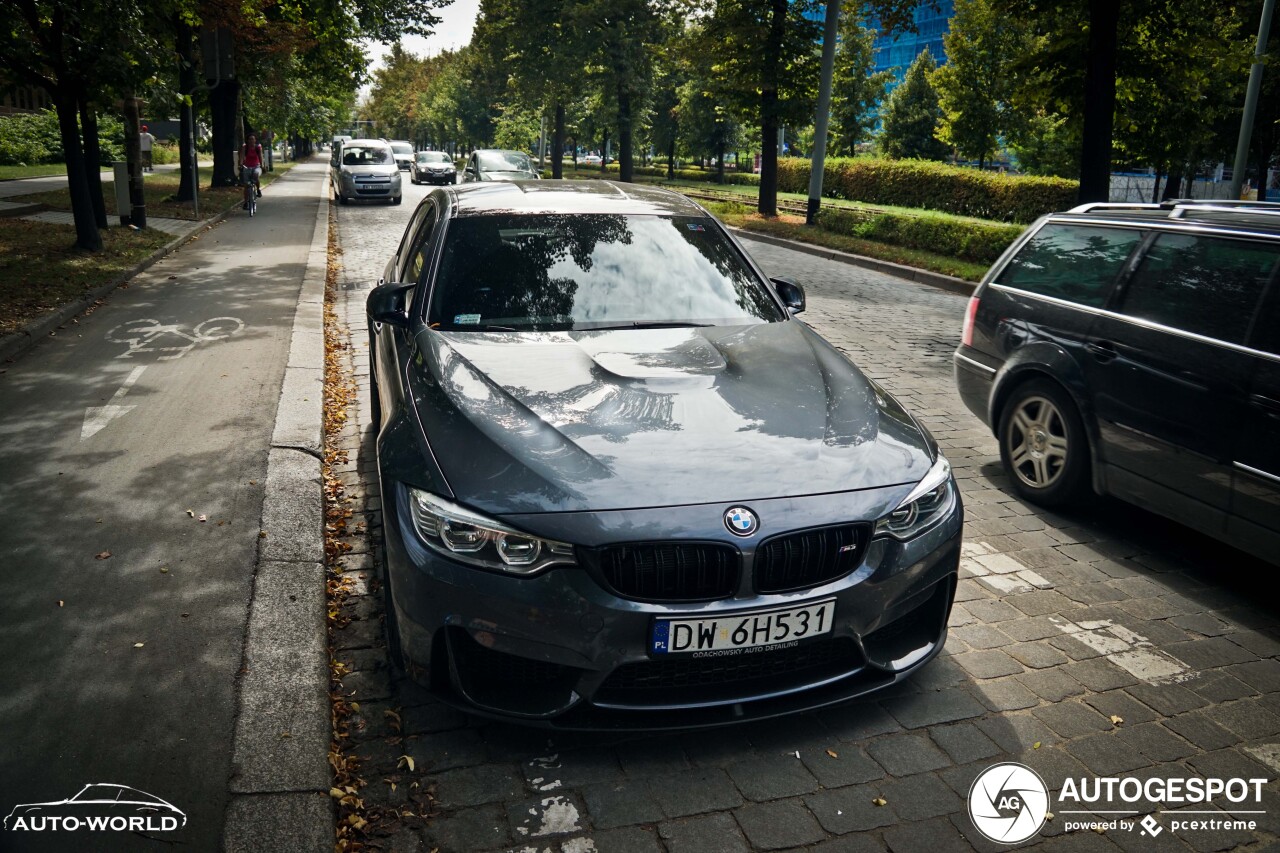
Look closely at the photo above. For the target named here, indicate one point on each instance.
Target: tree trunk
(224, 98)
(133, 154)
(604, 153)
(88, 237)
(720, 161)
(1155, 191)
(626, 169)
(557, 142)
(1173, 182)
(671, 158)
(768, 201)
(186, 127)
(93, 161)
(1099, 101)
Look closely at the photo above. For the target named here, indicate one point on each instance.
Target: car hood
(541, 422)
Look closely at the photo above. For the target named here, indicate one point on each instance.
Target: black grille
(670, 572)
(746, 672)
(811, 557)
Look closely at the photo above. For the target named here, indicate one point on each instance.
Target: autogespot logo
(1008, 803)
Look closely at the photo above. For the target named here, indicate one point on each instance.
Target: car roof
(1261, 219)
(368, 143)
(479, 199)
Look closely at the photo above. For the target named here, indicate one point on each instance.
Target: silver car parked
(365, 168)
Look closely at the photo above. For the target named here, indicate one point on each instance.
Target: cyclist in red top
(251, 167)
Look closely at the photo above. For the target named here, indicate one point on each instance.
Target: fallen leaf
(797, 753)
(1116, 720)
(59, 602)
(262, 534)
(336, 793)
(832, 753)
(406, 760)
(191, 513)
(104, 555)
(138, 645)
(355, 706)
(880, 801)
(1035, 745)
(164, 570)
(184, 615)
(203, 517)
(285, 734)
(1048, 815)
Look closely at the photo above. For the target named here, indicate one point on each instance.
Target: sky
(454, 30)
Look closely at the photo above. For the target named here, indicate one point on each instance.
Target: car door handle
(1102, 350)
(1271, 404)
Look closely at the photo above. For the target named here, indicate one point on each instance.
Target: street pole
(818, 164)
(1251, 106)
(542, 143)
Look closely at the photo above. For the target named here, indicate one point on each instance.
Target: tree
(765, 58)
(856, 90)
(912, 115)
(974, 85)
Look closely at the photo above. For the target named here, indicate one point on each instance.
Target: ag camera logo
(1008, 803)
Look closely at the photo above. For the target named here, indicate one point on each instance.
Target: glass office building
(897, 51)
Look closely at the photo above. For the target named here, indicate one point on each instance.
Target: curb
(932, 279)
(280, 782)
(28, 336)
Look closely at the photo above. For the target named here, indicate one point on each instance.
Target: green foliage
(970, 241)
(912, 115)
(933, 186)
(856, 89)
(27, 139)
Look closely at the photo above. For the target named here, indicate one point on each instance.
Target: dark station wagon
(1134, 350)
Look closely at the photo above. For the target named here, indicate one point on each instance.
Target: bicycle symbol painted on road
(152, 336)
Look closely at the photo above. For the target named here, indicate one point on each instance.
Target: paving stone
(850, 809)
(772, 826)
(1052, 685)
(964, 742)
(1099, 674)
(469, 829)
(1026, 629)
(1229, 764)
(920, 797)
(1166, 699)
(694, 792)
(1155, 742)
(1121, 704)
(942, 674)
(631, 839)
(772, 777)
(1036, 655)
(859, 843)
(1017, 732)
(1072, 719)
(1260, 643)
(621, 804)
(1055, 764)
(558, 814)
(1200, 730)
(1262, 675)
(930, 709)
(926, 836)
(849, 766)
(859, 722)
(1247, 719)
(903, 755)
(990, 664)
(1042, 603)
(717, 833)
(1107, 754)
(1005, 694)
(475, 786)
(574, 768)
(649, 757)
(1209, 653)
(1073, 648)
(993, 611)
(1203, 623)
(983, 637)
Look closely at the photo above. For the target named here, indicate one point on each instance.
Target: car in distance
(434, 167)
(364, 168)
(1134, 350)
(403, 152)
(493, 164)
(623, 486)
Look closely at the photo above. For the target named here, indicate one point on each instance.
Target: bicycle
(251, 191)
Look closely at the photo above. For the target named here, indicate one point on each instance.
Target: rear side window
(1078, 263)
(1206, 285)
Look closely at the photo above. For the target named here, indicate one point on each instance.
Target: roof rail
(1270, 209)
(1223, 202)
(1112, 205)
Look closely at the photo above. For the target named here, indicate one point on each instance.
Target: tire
(1043, 444)
(397, 199)
(342, 199)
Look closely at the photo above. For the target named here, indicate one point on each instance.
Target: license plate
(738, 633)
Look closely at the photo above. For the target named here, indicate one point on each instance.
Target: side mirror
(386, 303)
(791, 293)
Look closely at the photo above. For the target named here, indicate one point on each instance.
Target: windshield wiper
(638, 324)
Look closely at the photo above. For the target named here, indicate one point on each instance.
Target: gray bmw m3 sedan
(623, 486)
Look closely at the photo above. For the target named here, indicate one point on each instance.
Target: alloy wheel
(1037, 442)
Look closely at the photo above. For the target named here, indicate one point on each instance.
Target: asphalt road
(1100, 642)
(133, 447)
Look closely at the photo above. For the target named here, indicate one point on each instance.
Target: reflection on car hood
(537, 422)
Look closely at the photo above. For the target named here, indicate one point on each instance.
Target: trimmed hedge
(707, 175)
(933, 186)
(943, 235)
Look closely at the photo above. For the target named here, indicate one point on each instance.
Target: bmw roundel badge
(741, 521)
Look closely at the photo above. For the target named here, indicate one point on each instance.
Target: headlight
(926, 505)
(476, 540)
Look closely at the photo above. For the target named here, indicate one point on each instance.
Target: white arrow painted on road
(97, 417)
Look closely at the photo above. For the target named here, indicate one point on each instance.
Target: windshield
(402, 147)
(433, 157)
(366, 155)
(504, 161)
(556, 272)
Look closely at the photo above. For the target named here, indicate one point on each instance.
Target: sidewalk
(161, 512)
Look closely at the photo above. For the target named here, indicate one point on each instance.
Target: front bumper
(561, 650)
(379, 186)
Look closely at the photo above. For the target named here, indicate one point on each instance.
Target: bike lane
(133, 457)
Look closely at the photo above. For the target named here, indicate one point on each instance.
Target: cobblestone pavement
(1104, 643)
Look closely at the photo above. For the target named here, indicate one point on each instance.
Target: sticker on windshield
(695, 226)
(466, 319)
